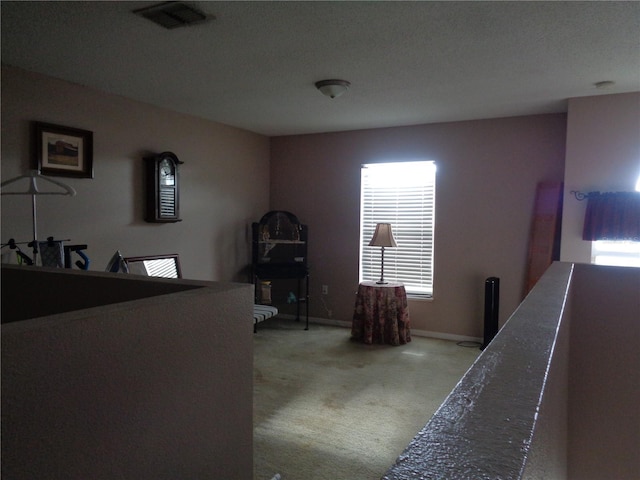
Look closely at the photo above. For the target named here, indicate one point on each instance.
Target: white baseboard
(445, 336)
(418, 333)
(318, 320)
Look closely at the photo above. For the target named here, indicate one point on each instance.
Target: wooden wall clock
(163, 188)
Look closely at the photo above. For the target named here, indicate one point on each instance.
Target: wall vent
(173, 14)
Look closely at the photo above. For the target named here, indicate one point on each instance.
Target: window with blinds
(620, 253)
(616, 253)
(402, 194)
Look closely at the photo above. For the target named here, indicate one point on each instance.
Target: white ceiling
(254, 66)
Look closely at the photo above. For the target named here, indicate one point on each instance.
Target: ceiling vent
(172, 14)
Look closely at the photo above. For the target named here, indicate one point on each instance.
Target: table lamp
(382, 237)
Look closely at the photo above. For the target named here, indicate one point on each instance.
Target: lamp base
(381, 282)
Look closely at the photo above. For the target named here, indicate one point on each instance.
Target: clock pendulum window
(163, 188)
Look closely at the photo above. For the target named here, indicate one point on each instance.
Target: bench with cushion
(261, 313)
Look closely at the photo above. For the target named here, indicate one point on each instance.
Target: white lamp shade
(383, 236)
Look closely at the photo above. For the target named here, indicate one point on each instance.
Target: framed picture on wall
(63, 151)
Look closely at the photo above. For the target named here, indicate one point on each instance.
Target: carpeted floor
(326, 407)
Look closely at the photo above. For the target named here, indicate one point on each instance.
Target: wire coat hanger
(33, 176)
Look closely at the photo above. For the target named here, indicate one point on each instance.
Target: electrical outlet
(325, 289)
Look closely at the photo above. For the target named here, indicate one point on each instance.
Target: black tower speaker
(491, 304)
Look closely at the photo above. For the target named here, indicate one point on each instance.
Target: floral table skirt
(381, 314)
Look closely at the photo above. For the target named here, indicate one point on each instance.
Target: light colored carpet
(326, 407)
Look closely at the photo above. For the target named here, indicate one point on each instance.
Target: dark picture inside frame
(63, 151)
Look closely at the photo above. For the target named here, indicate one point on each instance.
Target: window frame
(616, 253)
(379, 200)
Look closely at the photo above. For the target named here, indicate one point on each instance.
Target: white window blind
(402, 194)
(617, 253)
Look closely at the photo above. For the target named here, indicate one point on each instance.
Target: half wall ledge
(485, 429)
(120, 376)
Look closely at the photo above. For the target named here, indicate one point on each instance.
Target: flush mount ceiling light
(604, 84)
(333, 88)
(172, 14)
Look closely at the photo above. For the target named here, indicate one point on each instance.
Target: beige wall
(224, 178)
(486, 181)
(487, 174)
(156, 385)
(604, 380)
(603, 154)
